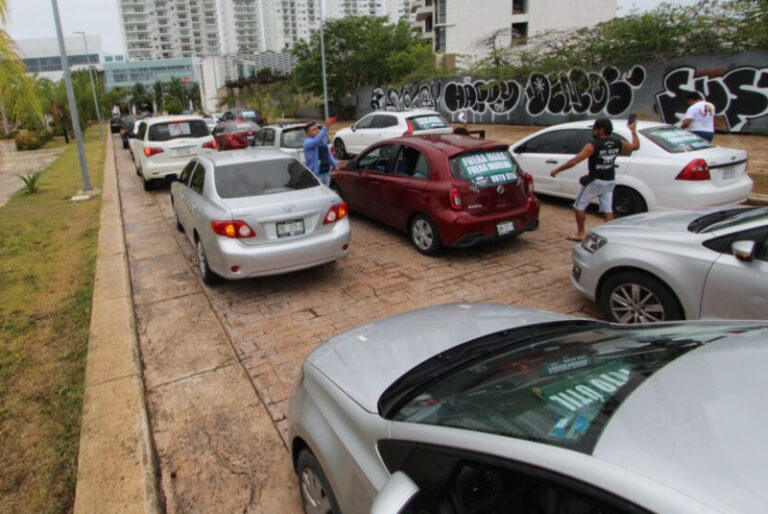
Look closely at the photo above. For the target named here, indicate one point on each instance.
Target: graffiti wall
(737, 85)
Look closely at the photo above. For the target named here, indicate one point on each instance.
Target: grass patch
(47, 264)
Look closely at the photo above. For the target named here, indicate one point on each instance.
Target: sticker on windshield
(488, 168)
(179, 129)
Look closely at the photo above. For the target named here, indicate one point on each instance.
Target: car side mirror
(353, 128)
(397, 492)
(743, 250)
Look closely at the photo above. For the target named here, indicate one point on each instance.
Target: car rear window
(293, 138)
(241, 126)
(262, 178)
(484, 168)
(675, 140)
(178, 130)
(427, 122)
(248, 114)
(561, 389)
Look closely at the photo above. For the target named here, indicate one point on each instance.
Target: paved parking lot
(219, 362)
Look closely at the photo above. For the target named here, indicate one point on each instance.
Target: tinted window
(178, 130)
(377, 159)
(557, 141)
(758, 235)
(186, 172)
(412, 162)
(675, 140)
(383, 121)
(485, 169)
(431, 121)
(292, 138)
(561, 389)
(269, 137)
(198, 180)
(365, 122)
(262, 178)
(142, 130)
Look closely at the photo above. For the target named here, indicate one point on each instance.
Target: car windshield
(728, 218)
(675, 140)
(484, 168)
(292, 138)
(561, 389)
(178, 129)
(428, 121)
(262, 178)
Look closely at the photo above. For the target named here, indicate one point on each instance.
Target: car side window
(141, 132)
(411, 162)
(758, 235)
(269, 137)
(198, 180)
(365, 122)
(557, 142)
(384, 121)
(377, 159)
(187, 172)
(218, 129)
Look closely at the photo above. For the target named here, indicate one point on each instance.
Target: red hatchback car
(446, 190)
(234, 135)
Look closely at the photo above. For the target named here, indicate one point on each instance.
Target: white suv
(380, 125)
(288, 137)
(164, 145)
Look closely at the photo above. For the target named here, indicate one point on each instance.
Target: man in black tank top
(602, 153)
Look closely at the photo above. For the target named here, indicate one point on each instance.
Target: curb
(116, 469)
(756, 199)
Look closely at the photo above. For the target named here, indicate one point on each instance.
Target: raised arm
(585, 153)
(635, 144)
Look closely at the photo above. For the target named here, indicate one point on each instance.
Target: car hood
(364, 361)
(657, 222)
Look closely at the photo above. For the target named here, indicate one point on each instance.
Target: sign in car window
(487, 169)
(675, 140)
(428, 122)
(179, 129)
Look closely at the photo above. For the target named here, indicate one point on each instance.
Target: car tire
(125, 145)
(148, 185)
(340, 149)
(627, 201)
(316, 494)
(424, 235)
(209, 277)
(635, 297)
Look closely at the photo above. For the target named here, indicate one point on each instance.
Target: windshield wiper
(701, 223)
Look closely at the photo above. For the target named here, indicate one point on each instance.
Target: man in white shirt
(700, 117)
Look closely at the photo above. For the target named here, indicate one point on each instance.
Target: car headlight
(593, 242)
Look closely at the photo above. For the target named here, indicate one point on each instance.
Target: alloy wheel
(316, 500)
(422, 234)
(633, 303)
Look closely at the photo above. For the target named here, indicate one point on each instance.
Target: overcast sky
(34, 18)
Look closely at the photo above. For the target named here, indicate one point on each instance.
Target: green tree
(53, 98)
(360, 51)
(159, 95)
(115, 97)
(173, 105)
(140, 97)
(175, 90)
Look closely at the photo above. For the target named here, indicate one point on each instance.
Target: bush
(29, 140)
(10, 135)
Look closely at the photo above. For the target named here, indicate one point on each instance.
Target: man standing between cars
(700, 117)
(321, 166)
(602, 153)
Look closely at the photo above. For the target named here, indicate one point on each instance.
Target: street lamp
(90, 76)
(322, 58)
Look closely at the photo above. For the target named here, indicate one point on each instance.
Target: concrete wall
(736, 84)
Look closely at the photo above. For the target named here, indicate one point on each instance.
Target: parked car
(445, 190)
(288, 137)
(164, 145)
(494, 408)
(133, 138)
(678, 265)
(673, 169)
(210, 122)
(235, 135)
(244, 114)
(126, 130)
(381, 125)
(251, 214)
(115, 124)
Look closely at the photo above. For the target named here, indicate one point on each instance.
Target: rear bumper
(278, 257)
(706, 194)
(467, 229)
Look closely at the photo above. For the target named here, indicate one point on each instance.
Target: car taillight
(211, 144)
(455, 200)
(335, 213)
(122, 132)
(697, 169)
(149, 151)
(529, 183)
(410, 128)
(234, 229)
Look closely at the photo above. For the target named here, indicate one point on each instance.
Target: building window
(428, 24)
(519, 31)
(440, 11)
(519, 7)
(440, 39)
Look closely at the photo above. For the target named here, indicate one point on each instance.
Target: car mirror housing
(395, 495)
(743, 250)
(353, 128)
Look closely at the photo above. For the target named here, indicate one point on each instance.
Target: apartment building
(460, 26)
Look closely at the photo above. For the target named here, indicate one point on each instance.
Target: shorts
(602, 189)
(324, 178)
(709, 136)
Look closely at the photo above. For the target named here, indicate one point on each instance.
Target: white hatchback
(673, 169)
(380, 125)
(164, 145)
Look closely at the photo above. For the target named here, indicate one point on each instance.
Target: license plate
(290, 228)
(184, 151)
(729, 172)
(505, 227)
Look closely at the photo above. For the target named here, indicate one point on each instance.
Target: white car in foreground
(673, 169)
(164, 145)
(380, 125)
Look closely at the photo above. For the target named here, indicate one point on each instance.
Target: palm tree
(159, 95)
(53, 96)
(139, 96)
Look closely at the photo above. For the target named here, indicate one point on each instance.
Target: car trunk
(725, 164)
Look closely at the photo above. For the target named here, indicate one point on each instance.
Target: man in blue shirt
(316, 155)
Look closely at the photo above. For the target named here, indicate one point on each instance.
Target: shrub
(28, 140)
(32, 182)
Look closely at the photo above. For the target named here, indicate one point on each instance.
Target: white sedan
(673, 169)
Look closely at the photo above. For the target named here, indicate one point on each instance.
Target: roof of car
(245, 155)
(167, 119)
(449, 144)
(617, 123)
(288, 125)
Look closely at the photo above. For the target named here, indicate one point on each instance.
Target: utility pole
(322, 58)
(93, 87)
(71, 97)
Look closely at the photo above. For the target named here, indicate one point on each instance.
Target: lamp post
(322, 59)
(90, 76)
(71, 97)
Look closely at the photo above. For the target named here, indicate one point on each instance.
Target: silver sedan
(474, 408)
(678, 265)
(259, 213)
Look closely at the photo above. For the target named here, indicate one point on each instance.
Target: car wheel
(208, 276)
(125, 145)
(424, 235)
(316, 494)
(146, 183)
(627, 201)
(633, 297)
(341, 150)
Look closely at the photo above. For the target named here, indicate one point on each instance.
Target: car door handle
(551, 161)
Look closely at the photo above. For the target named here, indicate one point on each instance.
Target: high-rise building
(241, 26)
(42, 56)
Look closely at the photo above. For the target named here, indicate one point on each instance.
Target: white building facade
(42, 55)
